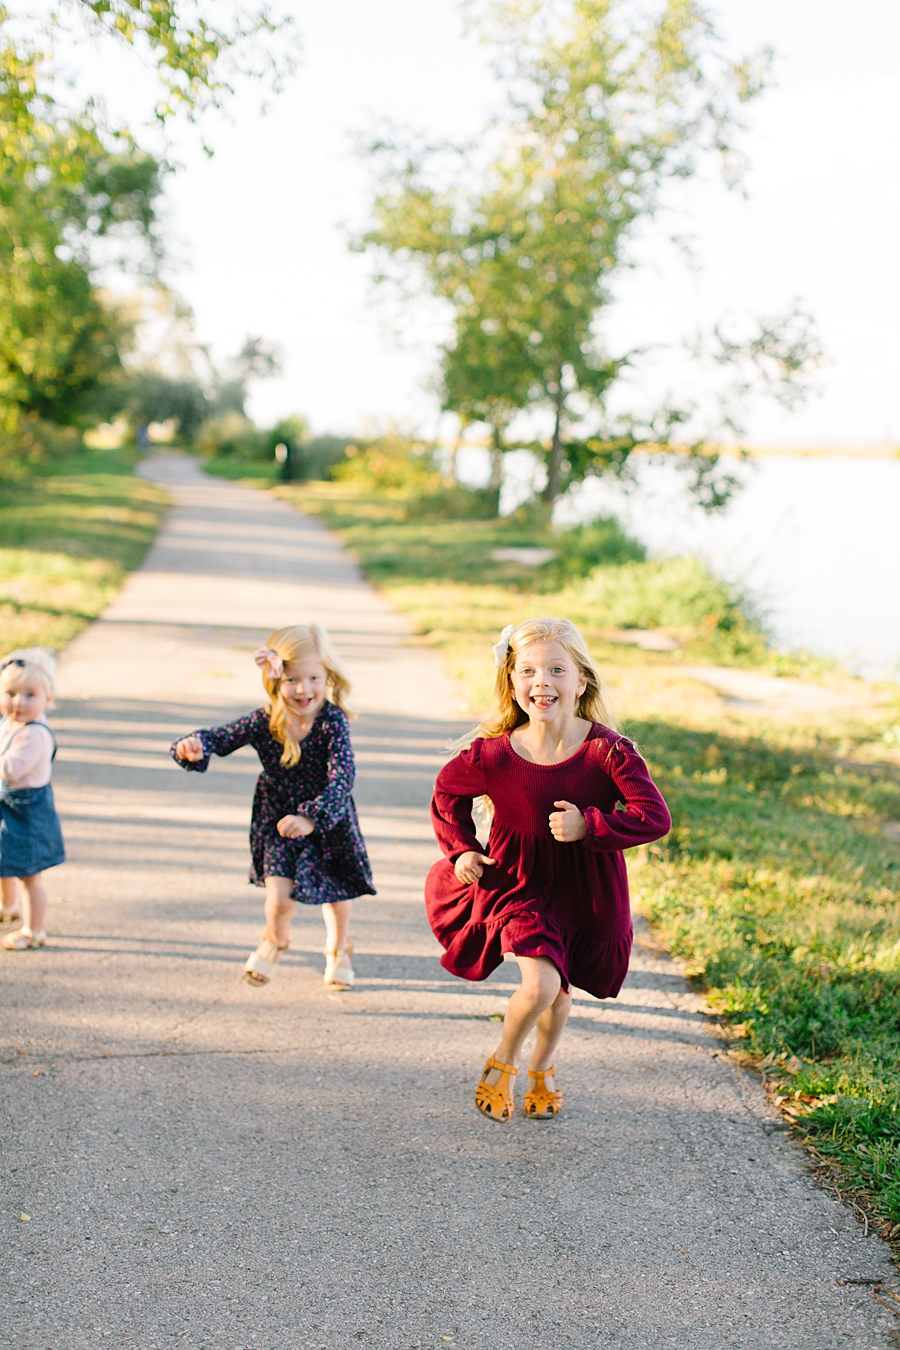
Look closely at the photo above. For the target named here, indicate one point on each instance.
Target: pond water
(814, 540)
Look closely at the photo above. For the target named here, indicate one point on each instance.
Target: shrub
(603, 541)
(233, 436)
(391, 463)
(27, 443)
(663, 593)
(314, 458)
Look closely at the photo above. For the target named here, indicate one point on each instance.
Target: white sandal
(338, 969)
(24, 940)
(261, 965)
(9, 915)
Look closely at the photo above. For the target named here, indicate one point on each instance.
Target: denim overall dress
(30, 834)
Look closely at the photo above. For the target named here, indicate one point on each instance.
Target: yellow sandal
(495, 1100)
(541, 1103)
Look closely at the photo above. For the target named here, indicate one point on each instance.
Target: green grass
(258, 473)
(778, 885)
(69, 535)
(780, 889)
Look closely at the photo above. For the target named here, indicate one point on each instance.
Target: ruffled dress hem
(599, 968)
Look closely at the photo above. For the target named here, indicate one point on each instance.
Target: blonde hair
(30, 663)
(298, 643)
(591, 705)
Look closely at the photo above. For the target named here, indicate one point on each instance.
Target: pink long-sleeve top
(578, 891)
(26, 753)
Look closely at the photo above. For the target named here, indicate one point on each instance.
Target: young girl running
(569, 793)
(305, 840)
(30, 837)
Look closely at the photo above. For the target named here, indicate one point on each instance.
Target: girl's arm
(459, 782)
(216, 741)
(646, 816)
(331, 805)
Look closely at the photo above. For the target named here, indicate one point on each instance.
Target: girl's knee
(541, 981)
(278, 893)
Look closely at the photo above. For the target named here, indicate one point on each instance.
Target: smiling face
(303, 686)
(23, 696)
(546, 681)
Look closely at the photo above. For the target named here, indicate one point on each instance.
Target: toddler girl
(569, 793)
(30, 836)
(305, 840)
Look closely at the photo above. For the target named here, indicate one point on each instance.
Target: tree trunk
(496, 466)
(554, 463)
(454, 455)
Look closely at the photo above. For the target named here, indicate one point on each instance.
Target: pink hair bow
(269, 662)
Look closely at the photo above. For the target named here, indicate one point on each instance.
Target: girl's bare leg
(538, 1002)
(279, 908)
(337, 924)
(550, 1026)
(34, 902)
(10, 895)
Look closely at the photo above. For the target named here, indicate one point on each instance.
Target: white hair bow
(269, 662)
(501, 648)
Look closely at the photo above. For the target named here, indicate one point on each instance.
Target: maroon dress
(568, 902)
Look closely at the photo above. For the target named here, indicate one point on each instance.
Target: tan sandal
(9, 915)
(495, 1100)
(24, 940)
(540, 1102)
(339, 973)
(261, 965)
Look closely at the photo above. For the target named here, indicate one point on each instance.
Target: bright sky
(261, 228)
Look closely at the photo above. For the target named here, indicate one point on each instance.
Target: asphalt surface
(209, 1164)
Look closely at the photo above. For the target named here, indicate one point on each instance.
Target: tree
(65, 185)
(604, 111)
(228, 391)
(76, 194)
(198, 50)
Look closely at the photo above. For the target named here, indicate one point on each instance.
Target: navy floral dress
(331, 863)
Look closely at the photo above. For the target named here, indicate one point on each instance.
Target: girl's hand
(190, 748)
(567, 824)
(468, 866)
(295, 827)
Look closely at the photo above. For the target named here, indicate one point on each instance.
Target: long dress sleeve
(331, 804)
(645, 817)
(220, 741)
(459, 782)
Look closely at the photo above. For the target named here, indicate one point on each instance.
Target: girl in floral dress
(305, 840)
(568, 793)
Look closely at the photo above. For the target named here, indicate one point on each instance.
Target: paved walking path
(208, 1164)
